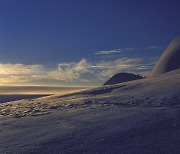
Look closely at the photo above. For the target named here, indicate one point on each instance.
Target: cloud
(153, 48)
(70, 71)
(121, 50)
(121, 65)
(13, 79)
(12, 69)
(88, 72)
(19, 73)
(73, 72)
(80, 66)
(108, 52)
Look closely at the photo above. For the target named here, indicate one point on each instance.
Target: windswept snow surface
(141, 116)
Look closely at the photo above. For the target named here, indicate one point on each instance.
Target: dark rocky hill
(122, 77)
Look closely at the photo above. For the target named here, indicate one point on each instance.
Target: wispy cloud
(152, 48)
(70, 71)
(19, 73)
(12, 79)
(122, 50)
(81, 72)
(12, 69)
(133, 65)
(115, 51)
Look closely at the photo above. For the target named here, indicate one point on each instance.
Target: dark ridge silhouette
(170, 59)
(122, 77)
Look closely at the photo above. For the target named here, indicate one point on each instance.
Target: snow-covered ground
(140, 116)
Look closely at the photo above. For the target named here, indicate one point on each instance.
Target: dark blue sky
(49, 32)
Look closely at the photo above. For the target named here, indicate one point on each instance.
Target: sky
(82, 42)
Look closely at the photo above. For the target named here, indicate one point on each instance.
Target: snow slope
(156, 91)
(141, 116)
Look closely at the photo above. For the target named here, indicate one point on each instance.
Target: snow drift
(170, 60)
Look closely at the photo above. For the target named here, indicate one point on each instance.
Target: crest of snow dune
(170, 60)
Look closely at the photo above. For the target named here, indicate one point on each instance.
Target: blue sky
(82, 42)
